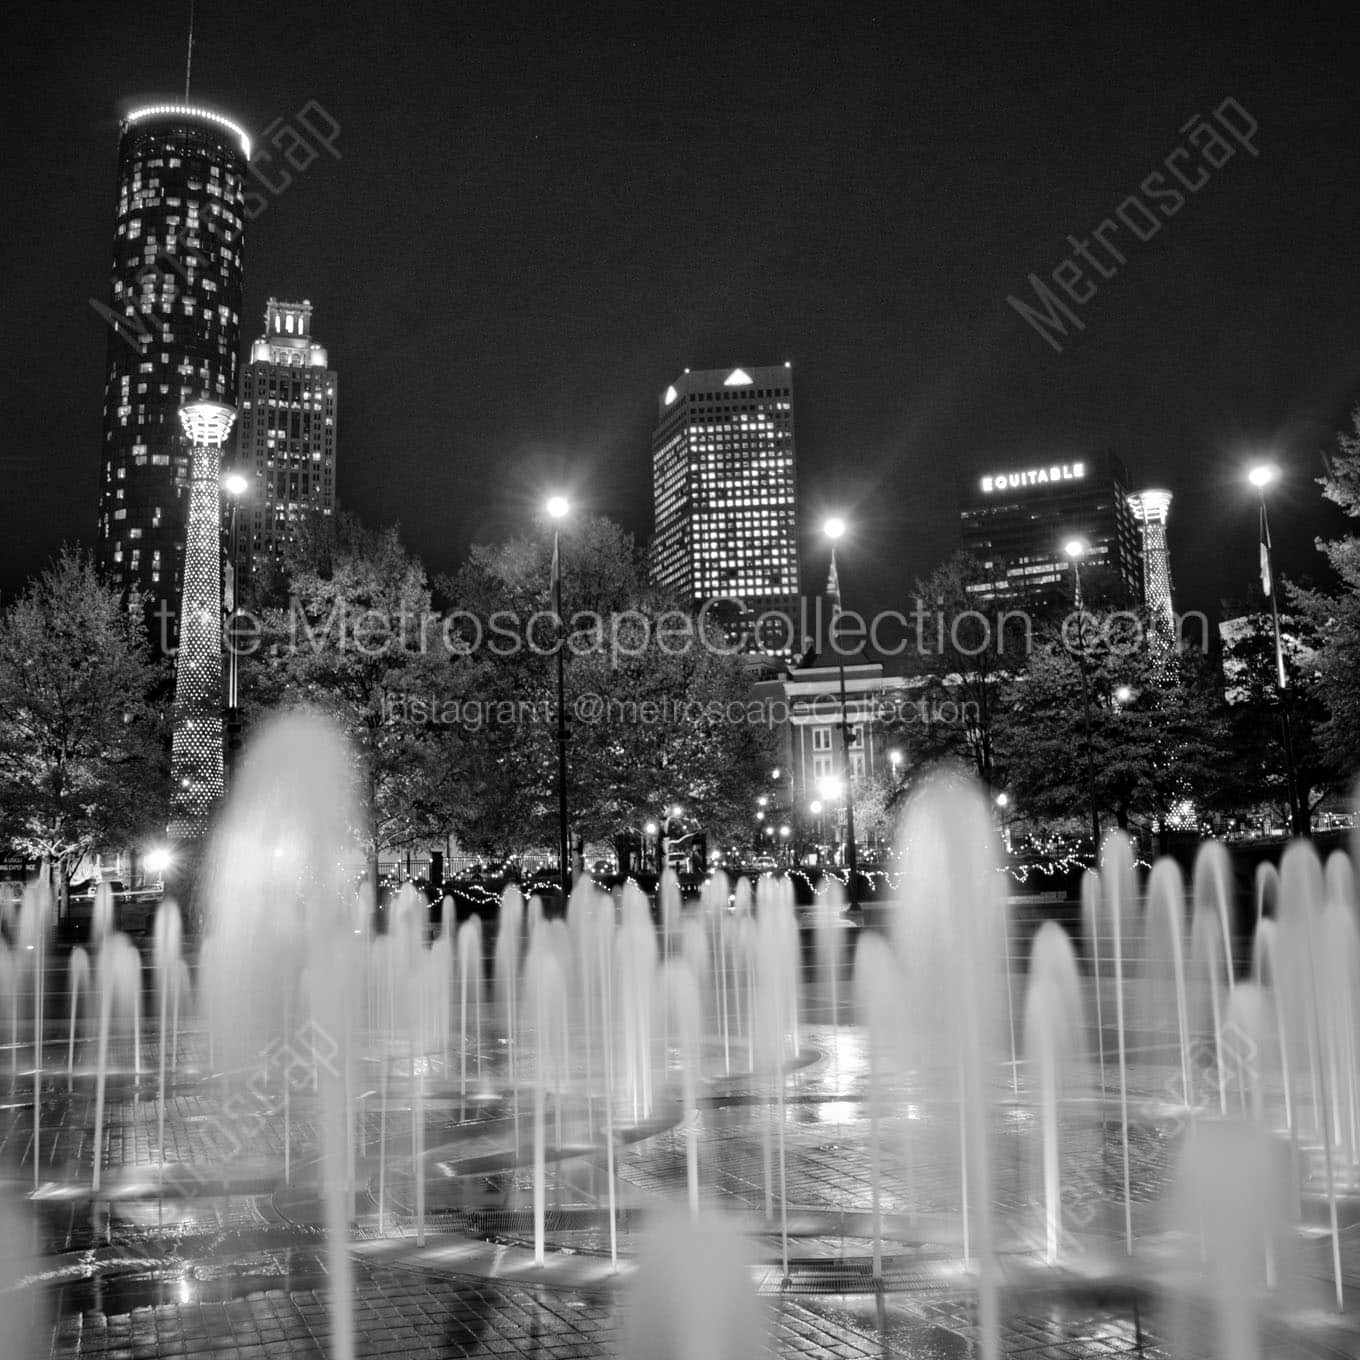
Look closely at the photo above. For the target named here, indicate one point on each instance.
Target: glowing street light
(1123, 694)
(557, 508)
(1076, 549)
(1261, 476)
(157, 861)
(1003, 800)
(834, 529)
(234, 484)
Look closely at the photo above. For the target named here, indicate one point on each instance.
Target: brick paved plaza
(194, 1248)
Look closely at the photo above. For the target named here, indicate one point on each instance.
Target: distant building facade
(1016, 518)
(287, 442)
(725, 497)
(174, 319)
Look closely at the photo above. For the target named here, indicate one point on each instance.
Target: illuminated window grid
(176, 285)
(724, 486)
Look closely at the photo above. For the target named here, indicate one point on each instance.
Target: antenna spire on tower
(189, 56)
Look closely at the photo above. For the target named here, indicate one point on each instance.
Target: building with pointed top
(724, 483)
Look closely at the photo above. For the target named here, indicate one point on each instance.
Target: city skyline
(513, 362)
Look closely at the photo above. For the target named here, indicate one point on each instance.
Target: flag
(1266, 583)
(555, 579)
(833, 589)
(228, 587)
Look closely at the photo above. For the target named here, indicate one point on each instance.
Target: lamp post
(1075, 548)
(1261, 476)
(236, 486)
(557, 508)
(834, 529)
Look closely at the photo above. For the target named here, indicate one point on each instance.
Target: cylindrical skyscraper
(174, 320)
(196, 755)
(1151, 509)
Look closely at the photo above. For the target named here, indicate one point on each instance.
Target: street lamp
(557, 509)
(1076, 549)
(157, 861)
(834, 529)
(1261, 476)
(1123, 694)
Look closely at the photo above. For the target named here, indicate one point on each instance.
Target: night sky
(541, 215)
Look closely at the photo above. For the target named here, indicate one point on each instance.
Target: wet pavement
(198, 1248)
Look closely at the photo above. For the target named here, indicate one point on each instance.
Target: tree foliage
(656, 714)
(964, 659)
(358, 639)
(1157, 728)
(82, 736)
(1335, 615)
(1254, 767)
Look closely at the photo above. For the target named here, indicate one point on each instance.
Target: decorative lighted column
(1150, 509)
(196, 754)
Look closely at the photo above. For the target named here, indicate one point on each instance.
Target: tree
(359, 640)
(1157, 727)
(1255, 769)
(965, 659)
(1336, 615)
(659, 711)
(82, 737)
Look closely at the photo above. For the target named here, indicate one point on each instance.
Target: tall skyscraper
(196, 758)
(1151, 509)
(1016, 519)
(724, 485)
(174, 330)
(286, 444)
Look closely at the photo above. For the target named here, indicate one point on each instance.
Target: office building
(724, 478)
(174, 319)
(286, 441)
(1016, 518)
